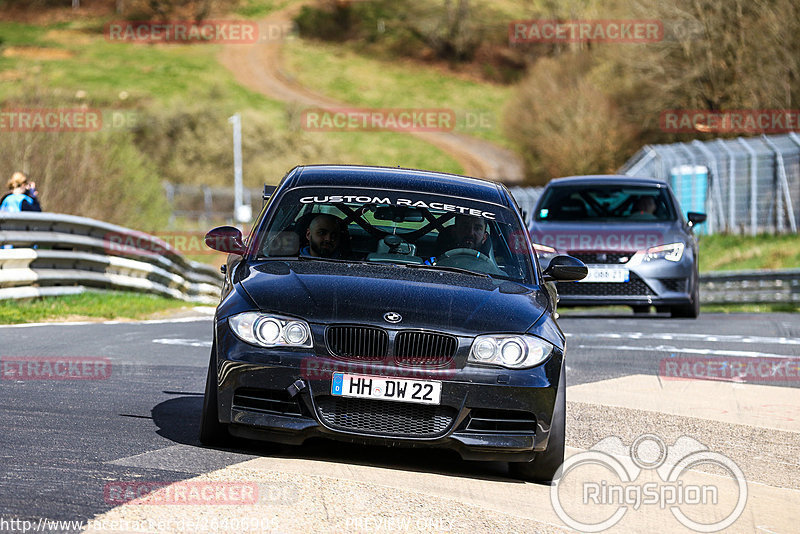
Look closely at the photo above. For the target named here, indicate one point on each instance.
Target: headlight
(671, 252)
(509, 350)
(271, 330)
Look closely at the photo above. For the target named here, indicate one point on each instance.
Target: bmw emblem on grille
(392, 317)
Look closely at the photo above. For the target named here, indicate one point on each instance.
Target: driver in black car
(470, 232)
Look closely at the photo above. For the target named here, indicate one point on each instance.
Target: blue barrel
(690, 184)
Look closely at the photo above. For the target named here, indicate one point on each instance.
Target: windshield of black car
(399, 228)
(605, 203)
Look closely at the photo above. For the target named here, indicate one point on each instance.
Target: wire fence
(745, 185)
(200, 206)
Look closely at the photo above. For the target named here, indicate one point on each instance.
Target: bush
(92, 174)
(448, 29)
(194, 145)
(563, 124)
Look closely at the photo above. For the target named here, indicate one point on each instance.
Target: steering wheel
(466, 253)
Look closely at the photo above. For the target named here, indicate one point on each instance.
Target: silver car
(630, 233)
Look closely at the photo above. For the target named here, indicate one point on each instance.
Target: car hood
(627, 237)
(332, 292)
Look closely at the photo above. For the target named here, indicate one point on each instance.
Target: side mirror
(696, 218)
(226, 239)
(565, 269)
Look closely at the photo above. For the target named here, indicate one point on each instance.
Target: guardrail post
(753, 183)
(731, 185)
(784, 188)
(714, 175)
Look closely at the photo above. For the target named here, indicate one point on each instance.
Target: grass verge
(339, 72)
(740, 253)
(92, 304)
(140, 86)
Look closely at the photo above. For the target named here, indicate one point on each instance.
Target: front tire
(545, 464)
(691, 310)
(212, 432)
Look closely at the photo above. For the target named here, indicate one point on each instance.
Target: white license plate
(597, 274)
(386, 388)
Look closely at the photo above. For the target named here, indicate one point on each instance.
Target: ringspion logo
(613, 479)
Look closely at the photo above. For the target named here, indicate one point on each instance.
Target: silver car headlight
(671, 252)
(509, 350)
(269, 330)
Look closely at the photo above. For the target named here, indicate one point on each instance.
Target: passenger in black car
(324, 236)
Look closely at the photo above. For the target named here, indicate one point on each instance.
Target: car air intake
(385, 418)
(611, 258)
(636, 287)
(674, 284)
(266, 401)
(504, 421)
(360, 343)
(424, 348)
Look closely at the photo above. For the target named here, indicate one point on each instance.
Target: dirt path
(259, 67)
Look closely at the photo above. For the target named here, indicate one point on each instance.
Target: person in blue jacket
(22, 195)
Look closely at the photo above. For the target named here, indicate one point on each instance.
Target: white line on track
(691, 337)
(82, 323)
(184, 342)
(678, 350)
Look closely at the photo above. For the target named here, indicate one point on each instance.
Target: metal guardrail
(750, 287)
(56, 254)
(44, 254)
(748, 185)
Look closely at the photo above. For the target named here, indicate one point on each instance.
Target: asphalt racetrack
(69, 448)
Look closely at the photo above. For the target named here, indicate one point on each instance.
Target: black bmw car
(390, 306)
(631, 234)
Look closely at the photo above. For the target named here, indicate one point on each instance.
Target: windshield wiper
(446, 268)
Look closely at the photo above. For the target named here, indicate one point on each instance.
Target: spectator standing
(22, 195)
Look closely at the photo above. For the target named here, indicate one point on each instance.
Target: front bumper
(485, 413)
(659, 283)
